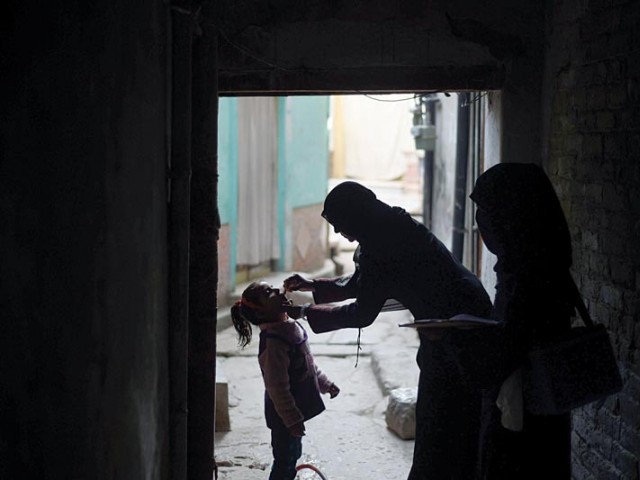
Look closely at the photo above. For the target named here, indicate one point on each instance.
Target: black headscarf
(521, 220)
(355, 210)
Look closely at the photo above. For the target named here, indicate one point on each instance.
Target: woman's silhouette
(522, 223)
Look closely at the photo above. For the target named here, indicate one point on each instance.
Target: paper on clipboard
(457, 321)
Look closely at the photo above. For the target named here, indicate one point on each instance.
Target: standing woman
(522, 223)
(399, 258)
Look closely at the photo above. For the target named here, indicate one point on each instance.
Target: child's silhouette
(293, 382)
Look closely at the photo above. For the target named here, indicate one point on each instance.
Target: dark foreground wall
(83, 241)
(593, 94)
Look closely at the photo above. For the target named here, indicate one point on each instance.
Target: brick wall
(593, 86)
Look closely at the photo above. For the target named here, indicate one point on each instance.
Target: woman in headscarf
(399, 258)
(522, 223)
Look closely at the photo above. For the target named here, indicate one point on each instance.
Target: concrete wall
(592, 123)
(226, 274)
(309, 234)
(369, 46)
(84, 388)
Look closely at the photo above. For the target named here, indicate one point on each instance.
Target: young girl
(292, 381)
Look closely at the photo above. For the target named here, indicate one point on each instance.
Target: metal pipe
(478, 156)
(460, 193)
(427, 178)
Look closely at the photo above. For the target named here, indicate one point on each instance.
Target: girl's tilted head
(260, 303)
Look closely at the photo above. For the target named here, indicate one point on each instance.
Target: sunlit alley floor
(350, 439)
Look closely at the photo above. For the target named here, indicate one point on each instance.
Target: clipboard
(462, 320)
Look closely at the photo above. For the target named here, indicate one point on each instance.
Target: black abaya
(522, 223)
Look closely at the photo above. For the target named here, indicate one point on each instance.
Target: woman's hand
(297, 282)
(333, 390)
(293, 311)
(297, 429)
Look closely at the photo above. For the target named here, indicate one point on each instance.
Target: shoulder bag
(572, 371)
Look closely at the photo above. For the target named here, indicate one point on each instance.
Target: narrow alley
(350, 439)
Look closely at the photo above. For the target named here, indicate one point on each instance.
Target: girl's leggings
(287, 449)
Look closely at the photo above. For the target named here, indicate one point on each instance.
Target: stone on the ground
(401, 412)
(222, 423)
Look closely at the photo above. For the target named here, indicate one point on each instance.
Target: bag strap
(579, 303)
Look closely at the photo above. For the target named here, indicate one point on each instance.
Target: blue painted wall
(227, 159)
(228, 171)
(303, 162)
(305, 148)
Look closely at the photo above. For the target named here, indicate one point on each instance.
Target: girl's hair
(244, 314)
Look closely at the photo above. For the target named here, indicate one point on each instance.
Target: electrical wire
(474, 99)
(388, 101)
